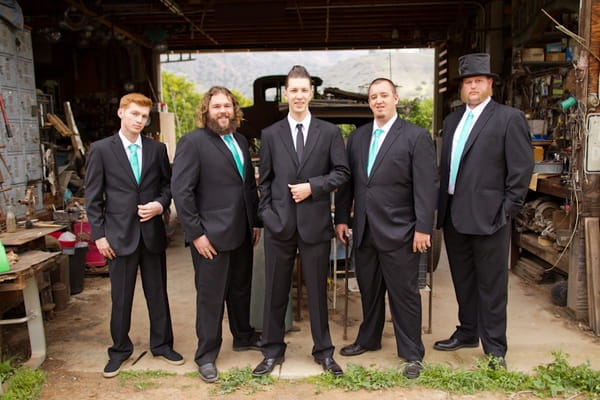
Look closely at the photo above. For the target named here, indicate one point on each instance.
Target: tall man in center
(394, 187)
(302, 160)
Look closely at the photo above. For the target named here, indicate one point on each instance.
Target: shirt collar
(305, 122)
(387, 125)
(479, 108)
(126, 141)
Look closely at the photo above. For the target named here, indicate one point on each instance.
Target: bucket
(60, 295)
(77, 267)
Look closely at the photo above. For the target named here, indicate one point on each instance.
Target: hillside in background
(411, 70)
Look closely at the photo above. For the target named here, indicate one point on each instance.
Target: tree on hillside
(418, 111)
(182, 99)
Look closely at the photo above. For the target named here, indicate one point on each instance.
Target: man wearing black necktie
(214, 190)
(485, 170)
(302, 160)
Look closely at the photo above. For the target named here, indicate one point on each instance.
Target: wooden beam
(106, 22)
(592, 257)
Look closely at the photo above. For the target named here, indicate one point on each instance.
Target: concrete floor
(79, 336)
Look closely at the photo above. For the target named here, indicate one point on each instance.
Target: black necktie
(299, 142)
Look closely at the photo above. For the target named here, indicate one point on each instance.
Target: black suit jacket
(400, 195)
(323, 165)
(210, 196)
(112, 194)
(494, 172)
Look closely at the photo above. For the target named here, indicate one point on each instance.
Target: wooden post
(586, 196)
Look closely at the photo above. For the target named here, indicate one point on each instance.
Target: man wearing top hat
(486, 164)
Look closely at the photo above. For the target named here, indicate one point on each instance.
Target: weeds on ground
(142, 379)
(357, 378)
(241, 379)
(557, 378)
(21, 383)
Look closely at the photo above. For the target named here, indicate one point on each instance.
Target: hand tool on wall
(6, 124)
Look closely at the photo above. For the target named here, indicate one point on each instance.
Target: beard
(214, 126)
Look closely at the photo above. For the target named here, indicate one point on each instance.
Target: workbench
(21, 278)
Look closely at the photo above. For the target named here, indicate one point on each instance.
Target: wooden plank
(29, 263)
(592, 256)
(60, 126)
(24, 236)
(75, 139)
(529, 242)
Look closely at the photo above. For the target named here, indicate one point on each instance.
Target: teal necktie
(236, 155)
(460, 146)
(373, 150)
(133, 160)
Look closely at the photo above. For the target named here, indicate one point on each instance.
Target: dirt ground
(78, 337)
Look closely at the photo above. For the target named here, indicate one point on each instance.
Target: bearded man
(215, 194)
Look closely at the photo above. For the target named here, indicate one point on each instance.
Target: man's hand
(342, 232)
(255, 236)
(149, 210)
(105, 249)
(421, 242)
(300, 191)
(206, 250)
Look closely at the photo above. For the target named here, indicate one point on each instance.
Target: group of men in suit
(388, 191)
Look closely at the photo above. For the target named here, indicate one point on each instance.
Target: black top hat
(475, 64)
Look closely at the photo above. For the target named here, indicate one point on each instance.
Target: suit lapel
(285, 135)
(364, 142)
(147, 157)
(478, 127)
(390, 138)
(121, 156)
(447, 143)
(313, 132)
(218, 142)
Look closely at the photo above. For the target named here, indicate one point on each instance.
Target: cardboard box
(538, 153)
(532, 54)
(553, 57)
(554, 47)
(537, 126)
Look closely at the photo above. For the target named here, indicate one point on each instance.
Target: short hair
(202, 114)
(297, 71)
(136, 98)
(377, 80)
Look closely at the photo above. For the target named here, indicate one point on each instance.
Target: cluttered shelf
(552, 185)
(546, 251)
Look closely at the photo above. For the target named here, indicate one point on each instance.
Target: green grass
(142, 379)
(21, 383)
(241, 379)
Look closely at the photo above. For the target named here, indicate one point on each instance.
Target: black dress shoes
(330, 365)
(208, 372)
(251, 344)
(455, 343)
(496, 363)
(266, 366)
(355, 349)
(413, 369)
(112, 368)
